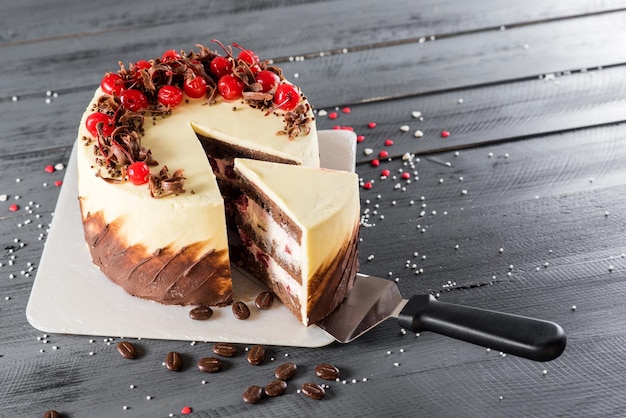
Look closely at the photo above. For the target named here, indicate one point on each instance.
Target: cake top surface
(308, 195)
(236, 98)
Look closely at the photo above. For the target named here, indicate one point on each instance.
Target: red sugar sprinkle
(14, 207)
(332, 115)
(367, 185)
(58, 183)
(347, 128)
(49, 169)
(186, 410)
(375, 162)
(337, 127)
(383, 154)
(445, 134)
(385, 173)
(406, 176)
(371, 125)
(360, 138)
(388, 142)
(346, 110)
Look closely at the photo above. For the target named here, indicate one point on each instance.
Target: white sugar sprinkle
(404, 128)
(368, 151)
(322, 112)
(418, 134)
(416, 114)
(3, 197)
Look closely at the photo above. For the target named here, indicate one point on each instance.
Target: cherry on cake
(153, 214)
(299, 227)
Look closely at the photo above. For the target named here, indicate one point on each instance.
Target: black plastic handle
(521, 336)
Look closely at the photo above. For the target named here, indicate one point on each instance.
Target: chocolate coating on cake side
(190, 275)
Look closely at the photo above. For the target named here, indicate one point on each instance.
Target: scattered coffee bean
(275, 388)
(327, 371)
(126, 349)
(256, 355)
(264, 300)
(241, 310)
(209, 365)
(225, 349)
(51, 414)
(173, 361)
(253, 394)
(201, 313)
(313, 390)
(285, 371)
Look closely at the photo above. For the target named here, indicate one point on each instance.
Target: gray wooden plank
(29, 21)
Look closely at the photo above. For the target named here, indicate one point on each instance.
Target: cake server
(373, 300)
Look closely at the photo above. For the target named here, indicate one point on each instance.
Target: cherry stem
(228, 52)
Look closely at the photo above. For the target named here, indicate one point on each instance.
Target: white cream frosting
(188, 217)
(324, 204)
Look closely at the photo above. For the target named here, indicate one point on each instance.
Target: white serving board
(71, 296)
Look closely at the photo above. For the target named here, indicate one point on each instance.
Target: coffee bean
(253, 394)
(225, 349)
(275, 388)
(313, 390)
(264, 300)
(173, 361)
(285, 371)
(126, 349)
(256, 355)
(200, 313)
(209, 365)
(327, 371)
(51, 414)
(241, 310)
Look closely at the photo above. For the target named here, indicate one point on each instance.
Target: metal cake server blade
(372, 300)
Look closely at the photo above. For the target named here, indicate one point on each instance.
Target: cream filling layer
(273, 235)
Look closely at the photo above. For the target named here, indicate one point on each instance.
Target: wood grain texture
(520, 209)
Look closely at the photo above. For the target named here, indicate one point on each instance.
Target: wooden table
(515, 199)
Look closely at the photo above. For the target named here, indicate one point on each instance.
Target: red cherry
(134, 100)
(94, 119)
(138, 173)
(112, 83)
(286, 97)
(170, 96)
(195, 87)
(220, 66)
(142, 65)
(268, 80)
(230, 87)
(248, 56)
(170, 54)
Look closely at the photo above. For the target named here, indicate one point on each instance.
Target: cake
(153, 213)
(299, 227)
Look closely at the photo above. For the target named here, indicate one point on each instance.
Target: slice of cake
(299, 227)
(152, 211)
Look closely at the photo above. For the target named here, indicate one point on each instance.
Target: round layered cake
(156, 144)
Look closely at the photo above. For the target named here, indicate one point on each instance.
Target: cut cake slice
(299, 227)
